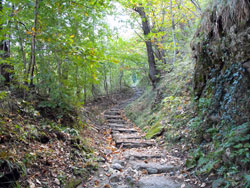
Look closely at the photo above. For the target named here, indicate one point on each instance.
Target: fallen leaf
(57, 181)
(108, 175)
(97, 182)
(203, 185)
(38, 181)
(144, 171)
(32, 185)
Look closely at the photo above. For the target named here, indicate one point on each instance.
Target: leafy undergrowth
(38, 151)
(221, 155)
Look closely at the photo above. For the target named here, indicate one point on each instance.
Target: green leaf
(247, 178)
(238, 146)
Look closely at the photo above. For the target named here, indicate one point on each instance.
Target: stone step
(141, 155)
(121, 125)
(123, 130)
(117, 126)
(153, 167)
(112, 117)
(126, 136)
(112, 113)
(154, 181)
(133, 143)
(117, 121)
(115, 110)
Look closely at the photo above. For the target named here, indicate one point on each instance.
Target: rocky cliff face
(221, 49)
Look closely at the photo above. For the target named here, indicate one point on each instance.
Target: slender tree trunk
(93, 90)
(22, 48)
(59, 68)
(59, 71)
(105, 83)
(153, 72)
(121, 76)
(85, 88)
(9, 27)
(160, 53)
(78, 90)
(173, 30)
(197, 6)
(110, 80)
(5, 69)
(40, 79)
(33, 45)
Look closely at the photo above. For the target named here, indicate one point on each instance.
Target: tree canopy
(69, 52)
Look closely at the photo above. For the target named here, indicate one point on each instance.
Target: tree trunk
(78, 89)
(153, 72)
(59, 71)
(160, 53)
(22, 48)
(121, 76)
(33, 45)
(5, 69)
(59, 66)
(4, 54)
(105, 82)
(173, 30)
(110, 80)
(94, 91)
(85, 88)
(197, 6)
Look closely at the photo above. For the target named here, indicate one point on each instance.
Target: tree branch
(196, 4)
(139, 36)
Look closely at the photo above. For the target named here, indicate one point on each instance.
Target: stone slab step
(135, 140)
(152, 181)
(144, 153)
(117, 121)
(141, 156)
(117, 126)
(123, 130)
(115, 110)
(112, 113)
(133, 143)
(153, 167)
(126, 136)
(112, 117)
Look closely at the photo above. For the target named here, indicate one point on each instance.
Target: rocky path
(131, 161)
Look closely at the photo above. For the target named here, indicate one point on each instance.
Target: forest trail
(131, 161)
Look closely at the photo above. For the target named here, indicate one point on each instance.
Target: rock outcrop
(221, 49)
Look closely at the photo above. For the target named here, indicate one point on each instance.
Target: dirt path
(131, 161)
